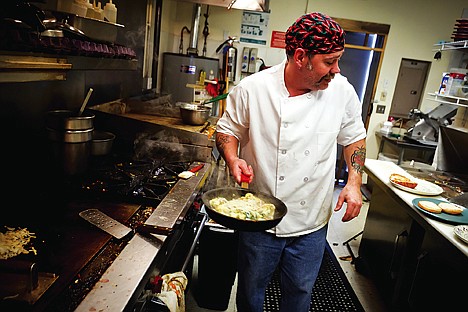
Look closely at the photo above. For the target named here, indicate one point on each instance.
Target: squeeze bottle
(110, 12)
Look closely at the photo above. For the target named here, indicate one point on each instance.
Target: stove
(145, 182)
(77, 261)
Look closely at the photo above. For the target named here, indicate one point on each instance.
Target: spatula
(191, 172)
(117, 229)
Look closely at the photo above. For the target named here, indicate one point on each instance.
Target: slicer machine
(426, 127)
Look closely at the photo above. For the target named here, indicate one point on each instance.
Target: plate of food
(461, 231)
(442, 210)
(414, 185)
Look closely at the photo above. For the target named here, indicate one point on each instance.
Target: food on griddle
(403, 180)
(429, 206)
(248, 207)
(14, 241)
(450, 208)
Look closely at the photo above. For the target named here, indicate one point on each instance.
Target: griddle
(66, 245)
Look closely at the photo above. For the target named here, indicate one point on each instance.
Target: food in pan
(13, 242)
(402, 180)
(450, 208)
(429, 206)
(247, 207)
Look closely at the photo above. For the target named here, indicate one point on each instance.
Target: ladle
(85, 102)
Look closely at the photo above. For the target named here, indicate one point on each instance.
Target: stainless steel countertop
(382, 170)
(121, 280)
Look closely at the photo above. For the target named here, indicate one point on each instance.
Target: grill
(77, 262)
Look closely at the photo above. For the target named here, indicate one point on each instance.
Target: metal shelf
(27, 67)
(448, 99)
(456, 45)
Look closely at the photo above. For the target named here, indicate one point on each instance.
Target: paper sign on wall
(254, 27)
(278, 39)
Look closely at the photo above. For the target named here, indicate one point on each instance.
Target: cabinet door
(440, 277)
(384, 242)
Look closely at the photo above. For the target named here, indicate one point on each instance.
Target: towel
(173, 291)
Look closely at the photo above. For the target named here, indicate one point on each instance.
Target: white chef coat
(291, 142)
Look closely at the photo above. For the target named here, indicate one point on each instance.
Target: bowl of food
(193, 114)
(243, 209)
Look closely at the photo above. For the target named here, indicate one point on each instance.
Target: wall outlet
(383, 96)
(380, 109)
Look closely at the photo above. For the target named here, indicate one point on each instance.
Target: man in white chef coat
(281, 128)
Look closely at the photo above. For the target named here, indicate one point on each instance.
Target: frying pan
(243, 225)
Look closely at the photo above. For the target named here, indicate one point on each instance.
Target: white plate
(423, 188)
(462, 232)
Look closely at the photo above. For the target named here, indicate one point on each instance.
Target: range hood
(250, 5)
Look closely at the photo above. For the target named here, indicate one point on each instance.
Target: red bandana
(316, 33)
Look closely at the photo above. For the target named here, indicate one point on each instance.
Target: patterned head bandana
(316, 33)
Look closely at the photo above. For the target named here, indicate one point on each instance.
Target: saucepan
(243, 225)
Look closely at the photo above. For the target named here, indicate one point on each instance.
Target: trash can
(217, 263)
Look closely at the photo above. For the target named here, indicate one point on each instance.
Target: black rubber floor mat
(332, 291)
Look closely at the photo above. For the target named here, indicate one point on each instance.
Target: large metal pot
(70, 149)
(193, 114)
(69, 120)
(243, 225)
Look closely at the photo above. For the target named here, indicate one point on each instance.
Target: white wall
(415, 26)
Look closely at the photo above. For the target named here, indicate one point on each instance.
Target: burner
(140, 181)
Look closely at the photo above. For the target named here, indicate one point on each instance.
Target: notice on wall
(254, 27)
(278, 39)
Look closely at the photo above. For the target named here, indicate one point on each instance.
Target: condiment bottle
(110, 12)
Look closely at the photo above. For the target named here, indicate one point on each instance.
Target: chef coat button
(281, 178)
(283, 151)
(306, 153)
(285, 124)
(306, 179)
(303, 202)
(309, 95)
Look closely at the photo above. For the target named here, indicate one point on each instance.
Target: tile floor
(338, 233)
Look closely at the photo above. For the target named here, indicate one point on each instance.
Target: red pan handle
(196, 168)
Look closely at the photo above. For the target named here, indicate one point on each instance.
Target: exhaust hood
(251, 5)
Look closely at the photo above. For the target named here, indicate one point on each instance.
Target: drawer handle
(404, 233)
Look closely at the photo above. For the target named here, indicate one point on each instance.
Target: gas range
(74, 255)
(145, 182)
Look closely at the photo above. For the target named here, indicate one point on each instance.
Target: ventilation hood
(250, 5)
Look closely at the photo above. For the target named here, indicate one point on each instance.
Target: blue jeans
(298, 258)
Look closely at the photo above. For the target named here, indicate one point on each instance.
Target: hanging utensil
(85, 102)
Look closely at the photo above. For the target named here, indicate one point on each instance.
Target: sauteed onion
(13, 242)
(247, 207)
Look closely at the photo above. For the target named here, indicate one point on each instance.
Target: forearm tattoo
(221, 141)
(358, 158)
